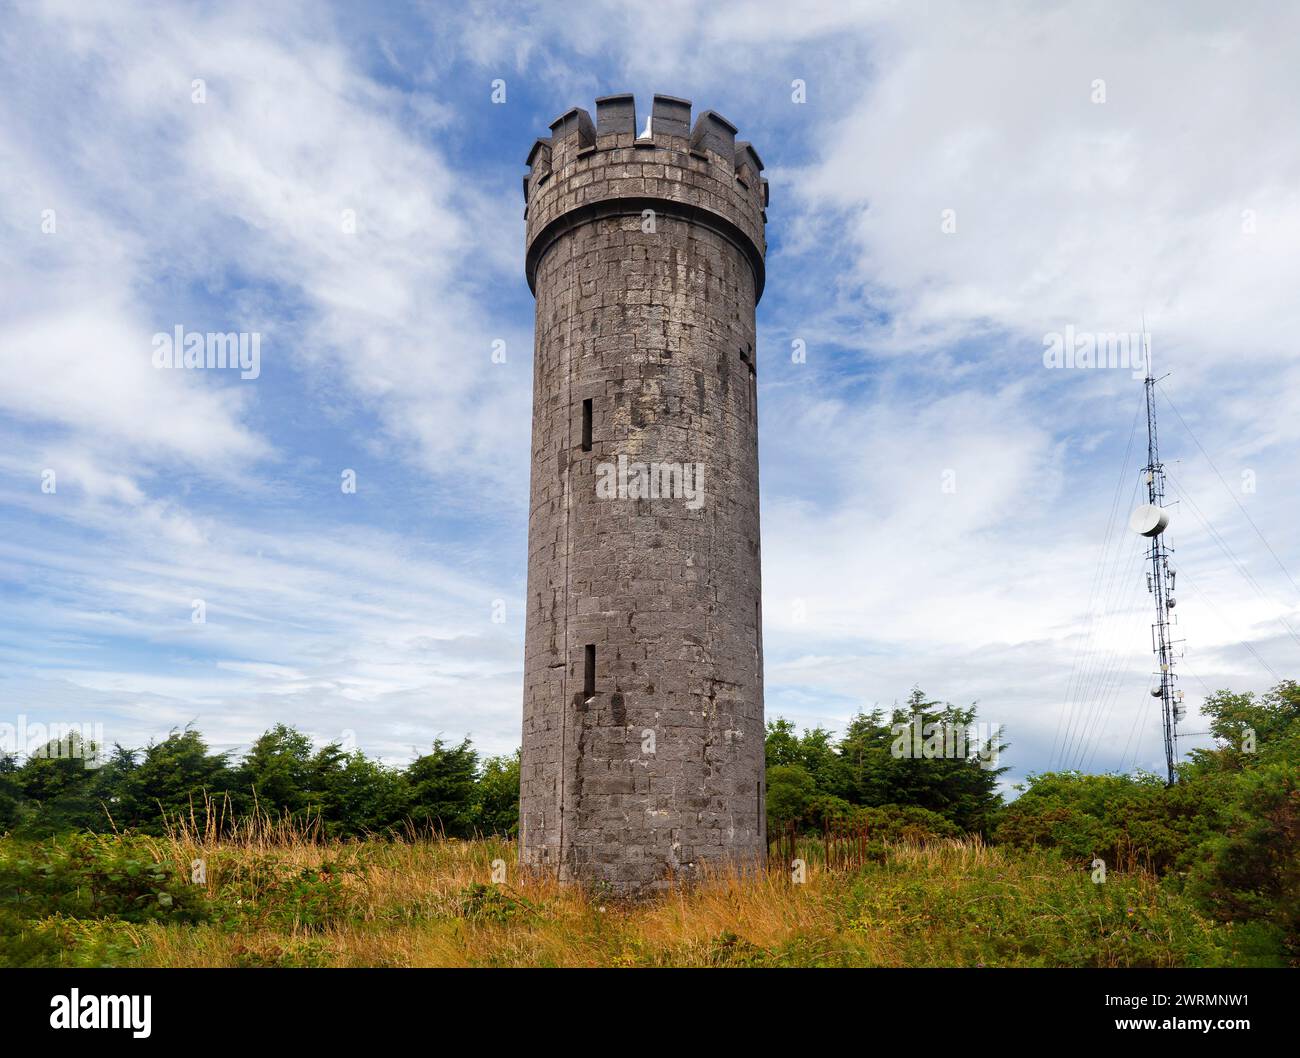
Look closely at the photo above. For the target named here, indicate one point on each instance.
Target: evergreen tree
(441, 789)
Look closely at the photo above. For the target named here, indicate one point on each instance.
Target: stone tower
(643, 666)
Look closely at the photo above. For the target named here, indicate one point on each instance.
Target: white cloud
(1070, 210)
(258, 179)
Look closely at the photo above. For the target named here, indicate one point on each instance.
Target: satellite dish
(1156, 692)
(1172, 602)
(1149, 520)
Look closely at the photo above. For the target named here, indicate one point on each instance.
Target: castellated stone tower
(643, 668)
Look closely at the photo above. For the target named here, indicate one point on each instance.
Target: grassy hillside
(325, 857)
(106, 900)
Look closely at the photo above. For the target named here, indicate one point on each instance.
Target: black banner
(212, 1008)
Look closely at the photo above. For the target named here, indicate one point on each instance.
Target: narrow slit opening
(589, 670)
(586, 425)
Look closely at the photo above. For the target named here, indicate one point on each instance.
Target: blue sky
(936, 502)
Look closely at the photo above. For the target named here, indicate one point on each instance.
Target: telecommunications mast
(1151, 520)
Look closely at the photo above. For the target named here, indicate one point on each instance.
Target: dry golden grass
(281, 898)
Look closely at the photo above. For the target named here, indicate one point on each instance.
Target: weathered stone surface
(650, 316)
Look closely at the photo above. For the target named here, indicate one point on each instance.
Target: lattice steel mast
(1151, 522)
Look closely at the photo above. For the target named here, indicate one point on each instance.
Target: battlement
(616, 163)
(668, 126)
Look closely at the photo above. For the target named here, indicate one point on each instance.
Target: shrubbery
(94, 876)
(814, 779)
(1225, 837)
(70, 900)
(449, 790)
(1227, 833)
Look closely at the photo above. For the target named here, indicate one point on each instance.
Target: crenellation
(572, 132)
(745, 155)
(714, 134)
(616, 117)
(671, 116)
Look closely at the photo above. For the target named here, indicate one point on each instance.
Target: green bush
(72, 900)
(89, 876)
(1226, 834)
(62, 941)
(1251, 872)
(890, 823)
(1023, 909)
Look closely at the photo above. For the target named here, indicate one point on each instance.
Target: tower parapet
(606, 168)
(643, 735)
